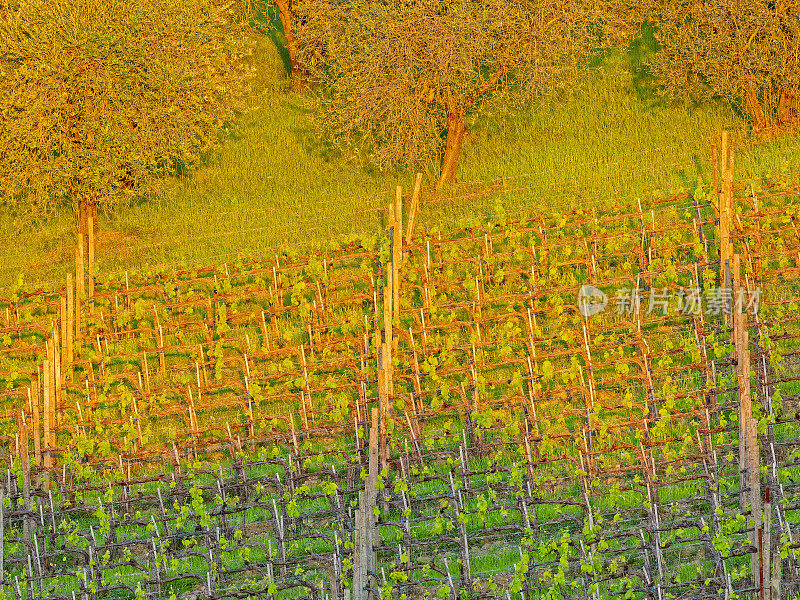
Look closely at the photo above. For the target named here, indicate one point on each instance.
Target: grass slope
(273, 182)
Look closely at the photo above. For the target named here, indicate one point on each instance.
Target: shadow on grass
(267, 19)
(640, 52)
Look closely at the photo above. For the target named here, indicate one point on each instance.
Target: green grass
(273, 182)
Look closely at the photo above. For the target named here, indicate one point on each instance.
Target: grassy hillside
(273, 182)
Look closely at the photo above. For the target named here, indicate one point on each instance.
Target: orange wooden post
(91, 264)
(48, 459)
(412, 213)
(33, 397)
(68, 344)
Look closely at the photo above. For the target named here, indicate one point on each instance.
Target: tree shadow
(637, 59)
(267, 17)
(308, 134)
(689, 180)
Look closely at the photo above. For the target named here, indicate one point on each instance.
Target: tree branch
(486, 86)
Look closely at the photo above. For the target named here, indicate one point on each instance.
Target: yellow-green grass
(273, 182)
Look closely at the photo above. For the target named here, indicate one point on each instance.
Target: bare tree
(747, 51)
(400, 77)
(619, 21)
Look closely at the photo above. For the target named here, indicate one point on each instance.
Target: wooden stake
(398, 214)
(412, 213)
(714, 177)
(37, 440)
(251, 426)
(383, 395)
(64, 334)
(724, 154)
(146, 374)
(749, 459)
(642, 239)
(264, 335)
(48, 459)
(372, 480)
(54, 392)
(58, 392)
(177, 458)
(80, 274)
(294, 434)
(68, 345)
(397, 253)
(388, 329)
(138, 423)
(161, 360)
(766, 551)
(307, 384)
(303, 413)
(91, 264)
(22, 427)
(366, 535)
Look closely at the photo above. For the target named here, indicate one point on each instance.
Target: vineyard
(418, 415)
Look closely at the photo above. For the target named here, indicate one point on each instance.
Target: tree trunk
(452, 152)
(297, 71)
(755, 110)
(787, 111)
(87, 209)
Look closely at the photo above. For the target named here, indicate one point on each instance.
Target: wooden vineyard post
(388, 328)
(416, 382)
(723, 216)
(757, 265)
(146, 373)
(161, 359)
(744, 408)
(80, 283)
(723, 157)
(391, 277)
(647, 376)
(264, 334)
(383, 398)
(68, 344)
(371, 494)
(80, 267)
(642, 239)
(654, 522)
(56, 372)
(64, 329)
(37, 440)
(366, 534)
(48, 459)
(397, 257)
(749, 456)
(55, 381)
(22, 427)
(714, 177)
(725, 201)
(765, 550)
(90, 230)
(729, 212)
(531, 373)
(412, 212)
(731, 203)
(310, 410)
